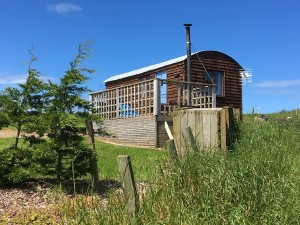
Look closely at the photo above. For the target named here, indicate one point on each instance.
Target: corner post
(157, 97)
(214, 97)
(91, 102)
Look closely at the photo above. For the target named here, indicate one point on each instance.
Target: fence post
(170, 147)
(226, 117)
(127, 180)
(237, 114)
(157, 97)
(223, 130)
(94, 164)
(189, 140)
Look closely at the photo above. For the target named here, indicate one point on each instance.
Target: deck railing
(144, 98)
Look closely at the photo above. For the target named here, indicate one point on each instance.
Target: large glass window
(217, 78)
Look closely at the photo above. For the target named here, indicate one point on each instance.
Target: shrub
(14, 166)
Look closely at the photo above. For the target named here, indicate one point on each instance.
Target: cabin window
(217, 78)
(162, 75)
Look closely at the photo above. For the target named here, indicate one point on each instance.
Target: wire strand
(203, 65)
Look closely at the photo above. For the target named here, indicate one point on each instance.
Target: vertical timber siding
(218, 61)
(204, 124)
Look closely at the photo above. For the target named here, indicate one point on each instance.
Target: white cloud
(278, 83)
(6, 78)
(64, 8)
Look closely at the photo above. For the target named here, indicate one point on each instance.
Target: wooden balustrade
(144, 99)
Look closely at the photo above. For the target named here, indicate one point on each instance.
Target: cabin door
(163, 97)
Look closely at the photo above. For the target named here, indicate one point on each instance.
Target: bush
(14, 166)
(64, 162)
(40, 158)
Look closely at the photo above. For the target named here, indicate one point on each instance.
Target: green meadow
(256, 182)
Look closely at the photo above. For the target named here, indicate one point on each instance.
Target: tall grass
(257, 183)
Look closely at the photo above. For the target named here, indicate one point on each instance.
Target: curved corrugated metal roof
(145, 69)
(157, 66)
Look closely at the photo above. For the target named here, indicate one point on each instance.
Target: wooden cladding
(175, 96)
(232, 83)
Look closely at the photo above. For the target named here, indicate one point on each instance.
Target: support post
(117, 103)
(170, 147)
(214, 97)
(170, 144)
(157, 97)
(170, 135)
(93, 160)
(237, 114)
(91, 101)
(127, 180)
(190, 143)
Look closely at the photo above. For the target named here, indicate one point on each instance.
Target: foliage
(14, 167)
(257, 183)
(51, 109)
(61, 123)
(19, 107)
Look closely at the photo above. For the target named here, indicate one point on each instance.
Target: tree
(51, 109)
(72, 156)
(20, 106)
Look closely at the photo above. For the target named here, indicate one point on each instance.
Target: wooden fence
(144, 98)
(210, 129)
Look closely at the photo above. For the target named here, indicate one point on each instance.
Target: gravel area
(28, 206)
(14, 200)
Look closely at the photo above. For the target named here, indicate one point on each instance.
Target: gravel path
(8, 133)
(14, 200)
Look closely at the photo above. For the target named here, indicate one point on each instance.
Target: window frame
(212, 80)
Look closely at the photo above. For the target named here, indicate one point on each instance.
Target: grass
(6, 142)
(257, 183)
(144, 160)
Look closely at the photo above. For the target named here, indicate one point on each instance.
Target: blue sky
(261, 35)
